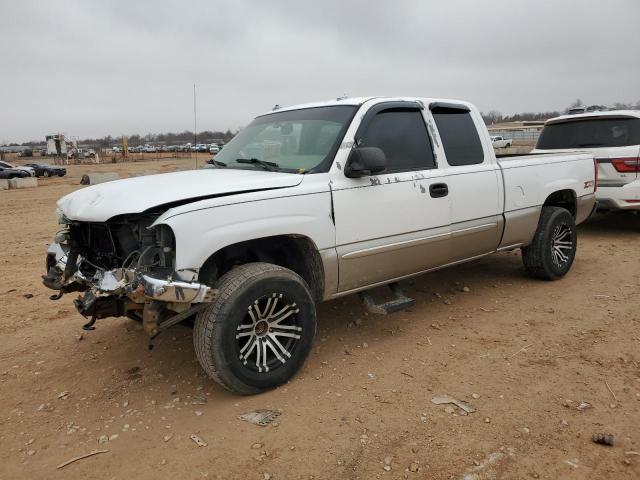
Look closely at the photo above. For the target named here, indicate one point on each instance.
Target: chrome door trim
(478, 228)
(509, 247)
(395, 246)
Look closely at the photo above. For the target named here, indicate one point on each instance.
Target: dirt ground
(525, 354)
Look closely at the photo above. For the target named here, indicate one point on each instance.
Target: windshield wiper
(271, 166)
(216, 163)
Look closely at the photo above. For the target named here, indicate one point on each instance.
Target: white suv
(614, 138)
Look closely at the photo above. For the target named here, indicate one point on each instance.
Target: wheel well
(297, 253)
(562, 198)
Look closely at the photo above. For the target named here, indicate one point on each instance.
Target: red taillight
(626, 164)
(595, 181)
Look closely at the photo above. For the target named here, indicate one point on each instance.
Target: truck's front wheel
(258, 331)
(551, 253)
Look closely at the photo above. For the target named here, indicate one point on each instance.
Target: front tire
(258, 331)
(553, 249)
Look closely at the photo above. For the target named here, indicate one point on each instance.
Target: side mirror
(365, 161)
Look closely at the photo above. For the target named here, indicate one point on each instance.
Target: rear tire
(553, 249)
(45, 174)
(258, 331)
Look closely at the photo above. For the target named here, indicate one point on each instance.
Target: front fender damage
(123, 291)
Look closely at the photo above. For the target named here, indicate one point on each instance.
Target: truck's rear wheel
(258, 331)
(551, 254)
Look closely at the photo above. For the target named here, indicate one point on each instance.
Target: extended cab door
(473, 176)
(394, 223)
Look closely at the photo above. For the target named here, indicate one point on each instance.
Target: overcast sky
(92, 68)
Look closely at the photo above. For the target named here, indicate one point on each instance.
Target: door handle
(438, 190)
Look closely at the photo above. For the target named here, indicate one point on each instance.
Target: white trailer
(56, 145)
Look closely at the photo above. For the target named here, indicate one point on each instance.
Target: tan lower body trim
(404, 277)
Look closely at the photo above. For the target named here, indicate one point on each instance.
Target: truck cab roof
(356, 101)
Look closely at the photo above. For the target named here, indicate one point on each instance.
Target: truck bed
(530, 179)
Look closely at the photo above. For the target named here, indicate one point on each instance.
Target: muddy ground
(525, 354)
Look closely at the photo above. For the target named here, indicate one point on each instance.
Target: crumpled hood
(99, 203)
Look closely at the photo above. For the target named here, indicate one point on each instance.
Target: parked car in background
(25, 153)
(498, 141)
(614, 139)
(213, 148)
(81, 153)
(12, 173)
(149, 149)
(312, 203)
(29, 170)
(46, 170)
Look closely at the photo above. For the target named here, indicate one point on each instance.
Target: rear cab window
(459, 135)
(590, 132)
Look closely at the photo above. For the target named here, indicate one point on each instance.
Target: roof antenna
(276, 107)
(344, 96)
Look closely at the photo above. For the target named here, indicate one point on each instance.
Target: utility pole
(195, 126)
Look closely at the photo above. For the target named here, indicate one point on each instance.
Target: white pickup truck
(311, 203)
(498, 141)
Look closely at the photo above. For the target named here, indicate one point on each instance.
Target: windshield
(303, 141)
(591, 133)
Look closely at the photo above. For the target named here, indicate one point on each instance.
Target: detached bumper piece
(100, 307)
(63, 274)
(114, 295)
(175, 291)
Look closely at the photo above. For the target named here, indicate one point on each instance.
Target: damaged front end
(125, 267)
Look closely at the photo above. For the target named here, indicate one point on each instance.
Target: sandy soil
(524, 353)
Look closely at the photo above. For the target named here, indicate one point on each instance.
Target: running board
(399, 302)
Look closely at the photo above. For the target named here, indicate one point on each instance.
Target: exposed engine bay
(125, 266)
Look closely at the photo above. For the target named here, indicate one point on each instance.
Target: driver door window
(402, 136)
